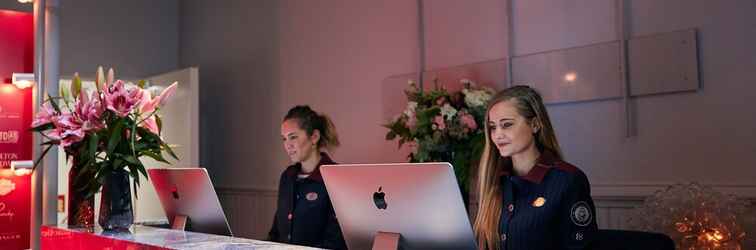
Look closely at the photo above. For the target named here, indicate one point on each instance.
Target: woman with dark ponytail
(305, 215)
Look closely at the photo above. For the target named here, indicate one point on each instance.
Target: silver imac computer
(189, 200)
(399, 206)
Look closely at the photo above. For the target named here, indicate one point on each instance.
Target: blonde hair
(529, 105)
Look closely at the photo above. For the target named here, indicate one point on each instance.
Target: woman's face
(297, 144)
(510, 132)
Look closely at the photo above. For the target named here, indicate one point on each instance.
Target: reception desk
(147, 238)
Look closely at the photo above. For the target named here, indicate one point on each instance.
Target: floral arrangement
(443, 126)
(105, 129)
(695, 217)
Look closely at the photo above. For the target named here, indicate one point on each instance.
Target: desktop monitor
(188, 193)
(420, 201)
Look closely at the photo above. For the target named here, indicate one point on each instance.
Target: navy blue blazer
(549, 208)
(305, 215)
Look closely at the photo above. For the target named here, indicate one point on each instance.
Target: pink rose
(468, 121)
(439, 121)
(441, 101)
(411, 122)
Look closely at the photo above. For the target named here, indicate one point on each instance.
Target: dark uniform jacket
(305, 215)
(549, 208)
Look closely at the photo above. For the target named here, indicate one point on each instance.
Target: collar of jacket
(315, 175)
(545, 162)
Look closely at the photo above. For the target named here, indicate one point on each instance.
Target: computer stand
(387, 241)
(179, 222)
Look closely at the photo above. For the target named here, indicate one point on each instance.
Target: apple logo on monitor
(380, 199)
(174, 193)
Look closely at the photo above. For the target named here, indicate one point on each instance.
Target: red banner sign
(15, 209)
(15, 119)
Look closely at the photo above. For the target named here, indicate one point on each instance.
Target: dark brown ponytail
(309, 121)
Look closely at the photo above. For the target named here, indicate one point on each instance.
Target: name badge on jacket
(311, 196)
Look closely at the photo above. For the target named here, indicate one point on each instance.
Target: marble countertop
(165, 238)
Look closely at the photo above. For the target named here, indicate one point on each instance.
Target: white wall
(333, 54)
(703, 136)
(258, 58)
(235, 44)
(138, 38)
(464, 32)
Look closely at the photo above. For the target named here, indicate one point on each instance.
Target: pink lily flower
(44, 116)
(121, 100)
(68, 129)
(167, 93)
(149, 105)
(89, 110)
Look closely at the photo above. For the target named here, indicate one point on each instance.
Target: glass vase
(80, 205)
(116, 211)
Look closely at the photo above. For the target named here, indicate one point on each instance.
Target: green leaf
(94, 139)
(169, 150)
(85, 173)
(390, 135)
(135, 167)
(53, 142)
(115, 136)
(140, 146)
(147, 136)
(43, 127)
(136, 186)
(102, 172)
(42, 156)
(143, 171)
(53, 103)
(134, 173)
(157, 157)
(159, 124)
(131, 160)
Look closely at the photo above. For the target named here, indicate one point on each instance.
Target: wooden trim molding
(639, 191)
(246, 191)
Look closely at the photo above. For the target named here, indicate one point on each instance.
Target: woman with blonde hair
(530, 198)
